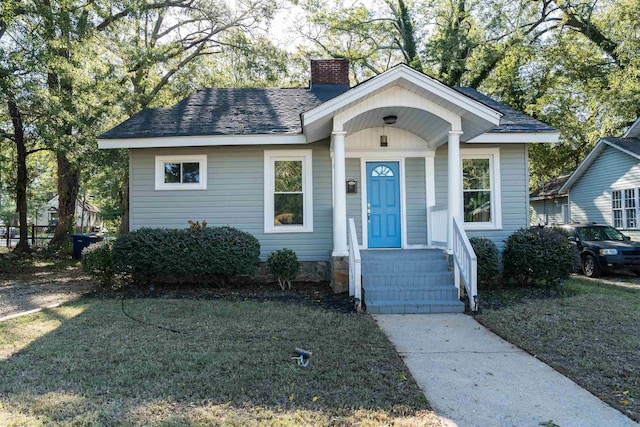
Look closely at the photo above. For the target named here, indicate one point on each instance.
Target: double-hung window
(288, 200)
(181, 172)
(481, 201)
(624, 207)
(288, 191)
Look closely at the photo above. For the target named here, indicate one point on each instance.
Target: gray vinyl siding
(234, 197)
(590, 196)
(354, 200)
(514, 185)
(416, 210)
(551, 207)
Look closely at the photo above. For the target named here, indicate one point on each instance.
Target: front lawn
(590, 333)
(228, 363)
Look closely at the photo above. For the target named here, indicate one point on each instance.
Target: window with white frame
(624, 207)
(181, 172)
(288, 198)
(481, 201)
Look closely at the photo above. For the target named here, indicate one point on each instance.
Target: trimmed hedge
(488, 259)
(97, 261)
(216, 251)
(538, 256)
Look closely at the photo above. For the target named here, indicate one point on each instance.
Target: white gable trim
(516, 137)
(387, 78)
(202, 141)
(591, 157)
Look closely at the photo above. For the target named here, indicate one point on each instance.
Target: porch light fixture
(390, 120)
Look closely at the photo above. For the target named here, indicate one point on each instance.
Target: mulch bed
(317, 294)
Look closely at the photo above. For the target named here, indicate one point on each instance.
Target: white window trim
(623, 209)
(199, 158)
(270, 157)
(493, 154)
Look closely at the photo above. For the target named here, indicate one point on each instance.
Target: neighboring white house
(332, 170)
(548, 205)
(605, 188)
(87, 215)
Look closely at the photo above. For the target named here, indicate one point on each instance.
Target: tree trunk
(68, 187)
(22, 177)
(124, 202)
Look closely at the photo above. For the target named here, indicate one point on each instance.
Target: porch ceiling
(427, 126)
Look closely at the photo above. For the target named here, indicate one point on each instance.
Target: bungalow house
(371, 185)
(548, 205)
(87, 215)
(605, 188)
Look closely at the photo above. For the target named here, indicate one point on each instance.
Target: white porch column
(339, 196)
(455, 183)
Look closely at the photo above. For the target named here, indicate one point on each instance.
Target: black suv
(602, 248)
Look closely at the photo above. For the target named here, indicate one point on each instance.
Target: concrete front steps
(408, 281)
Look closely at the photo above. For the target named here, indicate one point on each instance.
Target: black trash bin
(81, 241)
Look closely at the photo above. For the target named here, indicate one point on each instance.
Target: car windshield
(600, 232)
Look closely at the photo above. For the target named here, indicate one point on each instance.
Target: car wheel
(590, 267)
(636, 272)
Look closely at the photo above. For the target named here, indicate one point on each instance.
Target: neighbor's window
(288, 198)
(481, 188)
(181, 172)
(624, 206)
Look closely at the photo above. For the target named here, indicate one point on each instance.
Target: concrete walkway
(472, 377)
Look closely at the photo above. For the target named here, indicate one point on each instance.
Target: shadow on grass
(231, 362)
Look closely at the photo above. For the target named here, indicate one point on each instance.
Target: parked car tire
(590, 266)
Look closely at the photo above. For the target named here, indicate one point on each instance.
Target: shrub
(488, 259)
(97, 261)
(215, 251)
(538, 256)
(5, 264)
(284, 265)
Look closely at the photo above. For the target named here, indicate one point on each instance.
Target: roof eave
(203, 141)
(517, 137)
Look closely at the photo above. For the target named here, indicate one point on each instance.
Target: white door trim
(363, 198)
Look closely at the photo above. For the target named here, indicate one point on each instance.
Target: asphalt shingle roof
(239, 111)
(264, 111)
(551, 188)
(512, 120)
(628, 144)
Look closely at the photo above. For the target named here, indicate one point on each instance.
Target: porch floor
(408, 281)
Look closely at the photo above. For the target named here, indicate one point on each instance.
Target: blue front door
(383, 204)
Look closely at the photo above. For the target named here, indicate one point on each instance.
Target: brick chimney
(329, 72)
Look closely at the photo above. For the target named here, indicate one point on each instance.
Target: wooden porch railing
(465, 263)
(355, 273)
(438, 226)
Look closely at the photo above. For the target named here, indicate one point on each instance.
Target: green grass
(590, 332)
(87, 364)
